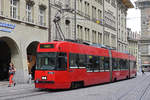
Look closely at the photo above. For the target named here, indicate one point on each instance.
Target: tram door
(110, 64)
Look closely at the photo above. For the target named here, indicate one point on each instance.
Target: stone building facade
(133, 48)
(97, 21)
(23, 24)
(144, 44)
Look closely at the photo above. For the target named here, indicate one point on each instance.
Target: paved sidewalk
(4, 87)
(133, 89)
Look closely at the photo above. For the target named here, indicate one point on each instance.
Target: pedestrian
(143, 72)
(12, 71)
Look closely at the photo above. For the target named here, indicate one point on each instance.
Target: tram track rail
(138, 91)
(144, 92)
(22, 94)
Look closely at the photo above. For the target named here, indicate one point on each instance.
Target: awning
(128, 3)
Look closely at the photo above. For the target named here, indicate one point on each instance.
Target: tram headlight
(44, 77)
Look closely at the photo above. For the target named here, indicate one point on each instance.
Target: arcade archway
(8, 52)
(31, 57)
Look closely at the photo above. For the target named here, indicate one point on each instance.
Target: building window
(94, 36)
(108, 1)
(87, 34)
(87, 12)
(14, 8)
(68, 28)
(29, 12)
(1, 7)
(119, 34)
(94, 13)
(119, 48)
(106, 38)
(99, 1)
(80, 33)
(99, 38)
(100, 16)
(42, 16)
(113, 41)
(113, 3)
(79, 7)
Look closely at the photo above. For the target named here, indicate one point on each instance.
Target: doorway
(31, 57)
(5, 58)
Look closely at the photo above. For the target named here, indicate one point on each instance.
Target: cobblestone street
(132, 89)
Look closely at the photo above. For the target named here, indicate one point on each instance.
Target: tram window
(81, 61)
(131, 65)
(114, 64)
(72, 60)
(93, 63)
(128, 64)
(101, 59)
(124, 63)
(135, 64)
(96, 63)
(106, 63)
(119, 64)
(90, 63)
(77, 60)
(62, 61)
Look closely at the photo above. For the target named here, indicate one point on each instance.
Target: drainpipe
(49, 20)
(117, 26)
(103, 22)
(75, 17)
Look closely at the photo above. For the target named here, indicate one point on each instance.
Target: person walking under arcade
(12, 71)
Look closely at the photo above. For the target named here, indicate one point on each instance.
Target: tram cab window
(62, 61)
(46, 61)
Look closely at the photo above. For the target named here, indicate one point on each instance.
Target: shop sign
(5, 27)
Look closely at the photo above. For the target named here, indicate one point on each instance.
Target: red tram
(63, 64)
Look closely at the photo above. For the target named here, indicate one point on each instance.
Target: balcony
(132, 39)
(1, 13)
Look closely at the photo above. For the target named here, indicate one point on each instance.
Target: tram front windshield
(51, 61)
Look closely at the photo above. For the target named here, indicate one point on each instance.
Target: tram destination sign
(46, 45)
